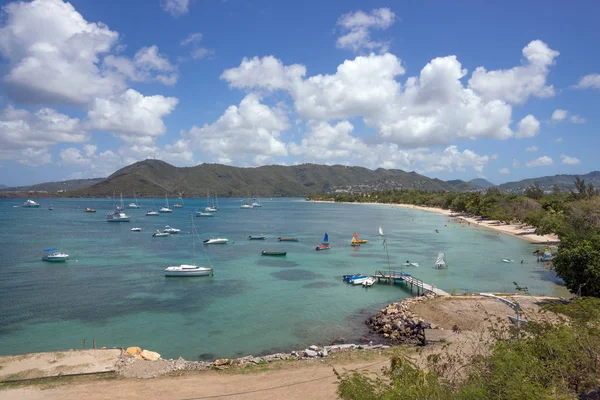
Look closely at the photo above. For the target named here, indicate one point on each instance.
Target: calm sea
(113, 288)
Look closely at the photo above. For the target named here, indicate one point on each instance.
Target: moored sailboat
(188, 270)
(166, 208)
(118, 215)
(135, 203)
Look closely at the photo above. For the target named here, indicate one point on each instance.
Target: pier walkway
(422, 287)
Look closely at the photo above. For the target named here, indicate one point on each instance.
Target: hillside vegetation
(154, 177)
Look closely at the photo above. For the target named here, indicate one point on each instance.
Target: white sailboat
(256, 202)
(180, 204)
(441, 262)
(210, 208)
(166, 208)
(247, 205)
(31, 204)
(135, 204)
(381, 231)
(118, 215)
(171, 230)
(186, 270)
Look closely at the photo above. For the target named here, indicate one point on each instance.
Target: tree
(534, 192)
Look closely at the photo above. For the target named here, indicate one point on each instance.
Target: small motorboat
(136, 229)
(273, 253)
(507, 260)
(216, 241)
(165, 210)
(188, 270)
(152, 213)
(369, 281)
(171, 230)
(359, 280)
(210, 209)
(90, 210)
(204, 214)
(54, 255)
(160, 234)
(259, 237)
(350, 276)
(283, 239)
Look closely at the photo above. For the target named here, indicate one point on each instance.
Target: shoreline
(520, 231)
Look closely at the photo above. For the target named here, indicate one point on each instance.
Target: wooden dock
(408, 279)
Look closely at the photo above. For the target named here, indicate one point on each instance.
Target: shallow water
(113, 288)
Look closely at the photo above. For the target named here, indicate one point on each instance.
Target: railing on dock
(422, 287)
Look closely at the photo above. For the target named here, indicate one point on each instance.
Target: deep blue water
(113, 288)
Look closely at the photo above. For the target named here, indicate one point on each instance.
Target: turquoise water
(113, 288)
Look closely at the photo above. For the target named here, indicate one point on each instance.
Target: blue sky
(458, 90)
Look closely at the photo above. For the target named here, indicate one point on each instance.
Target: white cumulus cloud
(175, 7)
(528, 127)
(247, 134)
(147, 65)
(540, 162)
(357, 26)
(559, 115)
(531, 149)
(591, 81)
(569, 160)
(517, 84)
(131, 114)
(504, 171)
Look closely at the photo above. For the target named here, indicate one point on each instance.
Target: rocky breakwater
(397, 324)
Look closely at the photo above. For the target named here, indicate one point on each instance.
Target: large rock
(310, 353)
(133, 351)
(220, 362)
(149, 355)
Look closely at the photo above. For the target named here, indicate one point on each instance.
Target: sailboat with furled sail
(166, 208)
(180, 204)
(185, 270)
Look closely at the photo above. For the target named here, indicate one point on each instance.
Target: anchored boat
(273, 253)
(283, 239)
(54, 255)
(258, 237)
(188, 270)
(441, 262)
(216, 241)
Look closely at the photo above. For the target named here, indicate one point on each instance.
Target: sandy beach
(520, 231)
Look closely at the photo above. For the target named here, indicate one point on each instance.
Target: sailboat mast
(193, 241)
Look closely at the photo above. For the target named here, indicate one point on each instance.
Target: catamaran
(135, 204)
(440, 262)
(191, 269)
(118, 215)
(166, 208)
(325, 244)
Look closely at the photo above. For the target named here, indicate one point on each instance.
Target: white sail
(381, 231)
(440, 262)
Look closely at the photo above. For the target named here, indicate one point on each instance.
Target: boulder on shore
(133, 351)
(149, 355)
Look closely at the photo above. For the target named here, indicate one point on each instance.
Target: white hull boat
(171, 230)
(152, 214)
(117, 216)
(136, 229)
(369, 282)
(204, 214)
(165, 210)
(160, 234)
(54, 255)
(441, 261)
(210, 210)
(133, 205)
(216, 241)
(246, 206)
(359, 281)
(410, 264)
(31, 204)
(188, 270)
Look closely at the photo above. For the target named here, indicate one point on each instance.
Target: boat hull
(256, 237)
(323, 247)
(287, 239)
(55, 259)
(274, 253)
(216, 241)
(184, 273)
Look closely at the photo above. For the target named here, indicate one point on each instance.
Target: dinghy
(410, 264)
(216, 241)
(259, 237)
(507, 260)
(369, 281)
(273, 253)
(282, 239)
(160, 234)
(136, 229)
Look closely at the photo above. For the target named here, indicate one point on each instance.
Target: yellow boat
(356, 241)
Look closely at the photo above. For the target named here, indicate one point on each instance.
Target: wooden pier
(422, 287)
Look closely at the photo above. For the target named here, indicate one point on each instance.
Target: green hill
(153, 178)
(482, 183)
(53, 187)
(564, 182)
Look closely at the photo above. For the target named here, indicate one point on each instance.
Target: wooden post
(84, 343)
(93, 343)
